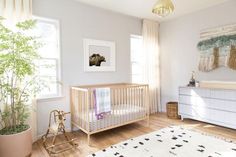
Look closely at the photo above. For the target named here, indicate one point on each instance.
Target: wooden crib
(129, 104)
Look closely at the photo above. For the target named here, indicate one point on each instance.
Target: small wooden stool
(172, 110)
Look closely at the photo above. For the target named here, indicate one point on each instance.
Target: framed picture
(99, 55)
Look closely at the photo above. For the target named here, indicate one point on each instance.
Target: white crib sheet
(120, 114)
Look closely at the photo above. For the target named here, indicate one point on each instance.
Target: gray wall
(179, 55)
(79, 21)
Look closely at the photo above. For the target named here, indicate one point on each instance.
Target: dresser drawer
(223, 94)
(195, 112)
(195, 92)
(218, 104)
(223, 117)
(194, 101)
(200, 113)
(224, 105)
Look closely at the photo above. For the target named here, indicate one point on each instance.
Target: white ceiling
(143, 8)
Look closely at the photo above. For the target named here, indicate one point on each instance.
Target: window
(49, 63)
(137, 59)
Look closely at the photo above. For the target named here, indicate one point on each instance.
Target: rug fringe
(206, 134)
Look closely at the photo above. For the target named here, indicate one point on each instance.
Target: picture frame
(99, 55)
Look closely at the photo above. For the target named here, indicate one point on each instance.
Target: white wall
(179, 55)
(78, 21)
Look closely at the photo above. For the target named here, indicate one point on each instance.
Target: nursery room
(108, 78)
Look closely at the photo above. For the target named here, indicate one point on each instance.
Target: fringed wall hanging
(217, 48)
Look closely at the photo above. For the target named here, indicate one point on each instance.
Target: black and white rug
(171, 142)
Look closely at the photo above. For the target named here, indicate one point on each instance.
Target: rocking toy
(56, 127)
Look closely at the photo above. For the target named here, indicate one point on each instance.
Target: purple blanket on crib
(102, 100)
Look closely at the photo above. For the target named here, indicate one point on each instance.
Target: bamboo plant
(18, 82)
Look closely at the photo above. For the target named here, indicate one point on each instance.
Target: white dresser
(216, 106)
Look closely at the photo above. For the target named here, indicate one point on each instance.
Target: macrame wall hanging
(217, 48)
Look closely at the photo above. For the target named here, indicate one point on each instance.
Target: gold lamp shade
(163, 8)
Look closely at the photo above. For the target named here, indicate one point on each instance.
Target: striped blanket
(102, 102)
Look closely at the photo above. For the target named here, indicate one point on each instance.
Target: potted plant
(18, 52)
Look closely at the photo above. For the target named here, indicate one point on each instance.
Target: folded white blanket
(102, 102)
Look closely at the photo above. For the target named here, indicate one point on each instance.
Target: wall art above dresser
(217, 48)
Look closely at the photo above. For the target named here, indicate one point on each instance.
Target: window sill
(53, 98)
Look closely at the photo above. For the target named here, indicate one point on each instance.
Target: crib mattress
(120, 114)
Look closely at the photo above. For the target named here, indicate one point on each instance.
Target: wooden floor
(107, 138)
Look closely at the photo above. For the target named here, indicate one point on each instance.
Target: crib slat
(127, 102)
(77, 104)
(142, 99)
(96, 122)
(137, 114)
(118, 104)
(134, 103)
(147, 101)
(139, 100)
(139, 104)
(80, 108)
(123, 103)
(92, 110)
(116, 107)
(72, 108)
(113, 107)
(109, 115)
(121, 106)
(86, 111)
(83, 109)
(130, 102)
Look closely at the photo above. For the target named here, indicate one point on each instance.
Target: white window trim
(131, 72)
(60, 93)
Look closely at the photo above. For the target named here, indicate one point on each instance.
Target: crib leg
(71, 127)
(88, 139)
(148, 122)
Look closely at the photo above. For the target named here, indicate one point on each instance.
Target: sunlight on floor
(209, 126)
(191, 125)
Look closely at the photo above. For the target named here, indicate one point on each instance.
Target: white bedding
(119, 115)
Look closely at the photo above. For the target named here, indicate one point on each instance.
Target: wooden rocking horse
(56, 127)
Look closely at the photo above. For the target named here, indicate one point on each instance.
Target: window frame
(59, 93)
(134, 61)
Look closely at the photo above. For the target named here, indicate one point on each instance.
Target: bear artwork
(96, 59)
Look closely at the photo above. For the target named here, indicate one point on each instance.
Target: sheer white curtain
(15, 11)
(152, 72)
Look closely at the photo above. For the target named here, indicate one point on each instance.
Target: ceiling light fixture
(163, 8)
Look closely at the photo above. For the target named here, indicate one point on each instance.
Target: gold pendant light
(163, 8)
